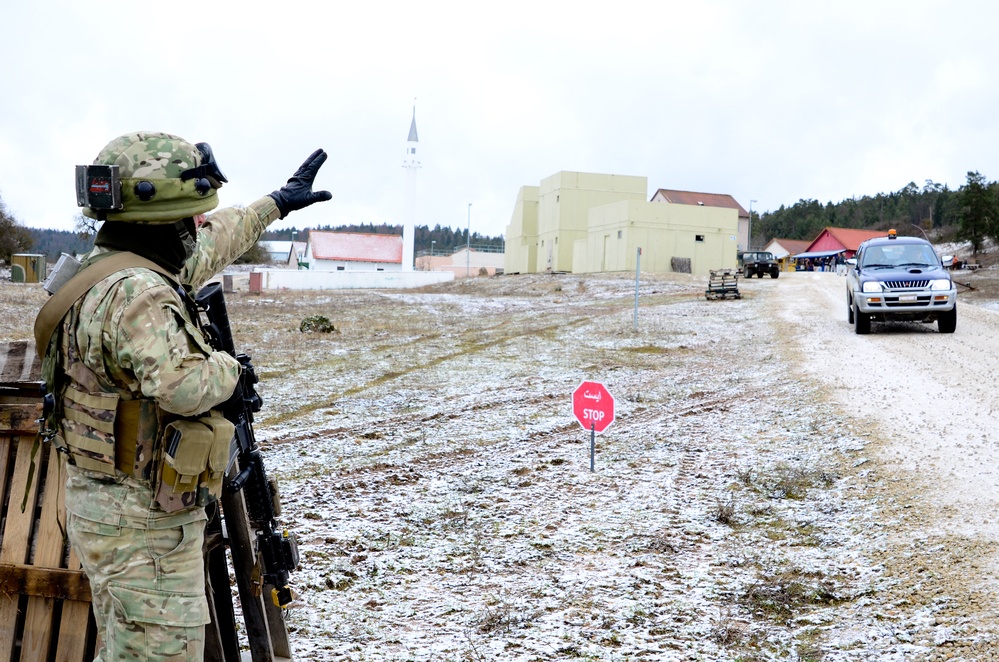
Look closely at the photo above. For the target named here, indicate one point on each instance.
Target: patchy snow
(442, 496)
(774, 487)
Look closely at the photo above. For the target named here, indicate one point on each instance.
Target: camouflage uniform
(130, 368)
(130, 361)
(133, 332)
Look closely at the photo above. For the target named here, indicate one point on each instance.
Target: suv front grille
(906, 284)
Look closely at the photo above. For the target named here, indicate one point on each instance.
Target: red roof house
(723, 200)
(842, 240)
(354, 251)
(782, 248)
(700, 199)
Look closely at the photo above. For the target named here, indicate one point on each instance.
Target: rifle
(276, 548)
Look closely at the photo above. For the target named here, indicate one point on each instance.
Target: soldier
(133, 378)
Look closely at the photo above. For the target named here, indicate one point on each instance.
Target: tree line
(441, 240)
(970, 213)
(14, 238)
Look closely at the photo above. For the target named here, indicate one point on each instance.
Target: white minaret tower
(411, 164)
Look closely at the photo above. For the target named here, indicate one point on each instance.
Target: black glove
(298, 193)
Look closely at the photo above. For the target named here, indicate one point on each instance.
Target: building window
(620, 233)
(698, 237)
(412, 150)
(556, 240)
(380, 269)
(340, 268)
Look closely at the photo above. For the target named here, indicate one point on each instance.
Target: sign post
(638, 273)
(593, 407)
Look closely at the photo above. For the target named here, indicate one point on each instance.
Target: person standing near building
(135, 385)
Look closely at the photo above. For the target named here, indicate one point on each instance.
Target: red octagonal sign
(593, 406)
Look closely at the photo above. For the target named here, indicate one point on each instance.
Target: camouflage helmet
(163, 178)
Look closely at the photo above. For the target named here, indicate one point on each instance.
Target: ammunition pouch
(102, 433)
(195, 457)
(88, 428)
(184, 464)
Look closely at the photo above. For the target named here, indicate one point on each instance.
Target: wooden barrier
(723, 283)
(44, 596)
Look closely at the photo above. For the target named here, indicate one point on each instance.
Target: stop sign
(593, 406)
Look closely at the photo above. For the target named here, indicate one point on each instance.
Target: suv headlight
(871, 287)
(941, 284)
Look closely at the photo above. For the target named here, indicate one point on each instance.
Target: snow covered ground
(774, 487)
(441, 488)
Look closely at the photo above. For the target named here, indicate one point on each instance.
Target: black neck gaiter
(160, 242)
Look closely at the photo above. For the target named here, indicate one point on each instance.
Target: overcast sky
(769, 101)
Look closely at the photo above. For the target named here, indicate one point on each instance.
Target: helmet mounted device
(208, 175)
(98, 187)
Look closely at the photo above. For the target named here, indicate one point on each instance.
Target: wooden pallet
(722, 284)
(44, 596)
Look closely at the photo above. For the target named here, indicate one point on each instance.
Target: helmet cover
(156, 186)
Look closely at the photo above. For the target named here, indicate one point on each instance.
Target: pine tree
(978, 211)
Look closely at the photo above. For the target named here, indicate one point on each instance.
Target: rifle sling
(51, 314)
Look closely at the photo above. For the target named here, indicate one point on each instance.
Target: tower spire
(413, 138)
(412, 142)
(411, 164)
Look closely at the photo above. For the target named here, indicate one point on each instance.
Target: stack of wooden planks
(44, 596)
(723, 283)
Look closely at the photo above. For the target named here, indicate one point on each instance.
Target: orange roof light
(892, 234)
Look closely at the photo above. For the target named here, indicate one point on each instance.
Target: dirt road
(933, 398)
(930, 404)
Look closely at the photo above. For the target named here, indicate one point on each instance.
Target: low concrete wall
(284, 279)
(468, 272)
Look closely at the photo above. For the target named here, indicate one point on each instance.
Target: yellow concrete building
(585, 222)
(521, 243)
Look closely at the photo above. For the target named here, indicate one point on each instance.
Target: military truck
(758, 263)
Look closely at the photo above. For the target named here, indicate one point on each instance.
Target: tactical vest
(108, 431)
(104, 431)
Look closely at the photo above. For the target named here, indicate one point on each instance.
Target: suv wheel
(947, 322)
(862, 322)
(749, 273)
(849, 310)
(774, 273)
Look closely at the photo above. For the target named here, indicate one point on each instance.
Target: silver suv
(899, 279)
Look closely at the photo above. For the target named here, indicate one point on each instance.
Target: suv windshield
(899, 256)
